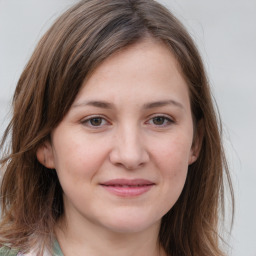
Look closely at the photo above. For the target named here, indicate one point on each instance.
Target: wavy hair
(76, 44)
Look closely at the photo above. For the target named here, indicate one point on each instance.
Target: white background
(225, 32)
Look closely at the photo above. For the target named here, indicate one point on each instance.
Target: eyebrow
(98, 104)
(107, 105)
(162, 104)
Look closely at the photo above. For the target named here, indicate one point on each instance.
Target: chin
(131, 223)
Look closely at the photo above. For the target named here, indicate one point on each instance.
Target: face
(122, 151)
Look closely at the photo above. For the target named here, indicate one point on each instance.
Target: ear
(45, 156)
(197, 142)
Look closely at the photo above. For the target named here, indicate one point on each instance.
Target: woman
(115, 145)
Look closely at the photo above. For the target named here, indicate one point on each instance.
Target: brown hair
(84, 36)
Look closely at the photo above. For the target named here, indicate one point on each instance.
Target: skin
(123, 135)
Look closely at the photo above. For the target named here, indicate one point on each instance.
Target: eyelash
(88, 122)
(166, 121)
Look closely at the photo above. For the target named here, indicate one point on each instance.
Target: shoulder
(7, 251)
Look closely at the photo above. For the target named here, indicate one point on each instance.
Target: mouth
(128, 188)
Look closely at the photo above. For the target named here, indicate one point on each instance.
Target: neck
(93, 240)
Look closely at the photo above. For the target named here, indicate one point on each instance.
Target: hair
(76, 44)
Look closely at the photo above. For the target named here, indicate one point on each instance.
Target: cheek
(174, 175)
(172, 160)
(174, 154)
(77, 159)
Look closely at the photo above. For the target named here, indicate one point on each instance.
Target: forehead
(144, 72)
(140, 48)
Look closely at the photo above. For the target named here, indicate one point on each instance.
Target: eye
(160, 121)
(96, 121)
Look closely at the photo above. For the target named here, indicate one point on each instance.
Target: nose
(129, 149)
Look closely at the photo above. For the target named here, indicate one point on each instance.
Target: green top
(56, 249)
(7, 251)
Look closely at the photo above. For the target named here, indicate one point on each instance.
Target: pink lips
(128, 188)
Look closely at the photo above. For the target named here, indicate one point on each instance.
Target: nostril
(129, 150)
(131, 161)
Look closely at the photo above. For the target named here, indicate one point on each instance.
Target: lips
(128, 188)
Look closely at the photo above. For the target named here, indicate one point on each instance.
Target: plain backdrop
(224, 31)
